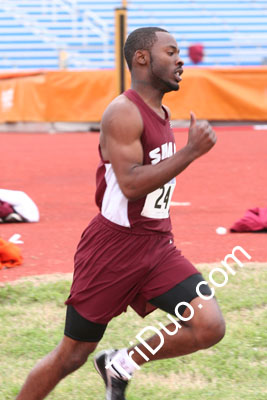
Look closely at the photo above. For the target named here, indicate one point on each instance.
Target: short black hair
(140, 39)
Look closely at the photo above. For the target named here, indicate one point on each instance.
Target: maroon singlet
(126, 255)
(151, 212)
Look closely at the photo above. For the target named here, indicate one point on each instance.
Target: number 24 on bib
(157, 204)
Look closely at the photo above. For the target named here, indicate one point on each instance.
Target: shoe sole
(104, 377)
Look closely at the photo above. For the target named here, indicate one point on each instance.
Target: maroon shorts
(115, 268)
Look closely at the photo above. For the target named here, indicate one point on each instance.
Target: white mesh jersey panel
(115, 204)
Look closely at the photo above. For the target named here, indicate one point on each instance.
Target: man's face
(166, 65)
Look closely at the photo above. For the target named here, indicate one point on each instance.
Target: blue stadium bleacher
(34, 34)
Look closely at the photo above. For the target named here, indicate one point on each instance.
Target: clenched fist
(201, 136)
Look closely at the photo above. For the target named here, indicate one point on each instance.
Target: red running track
(58, 173)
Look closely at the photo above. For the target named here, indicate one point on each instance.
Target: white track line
(179, 203)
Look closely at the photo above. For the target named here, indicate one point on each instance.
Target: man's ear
(141, 57)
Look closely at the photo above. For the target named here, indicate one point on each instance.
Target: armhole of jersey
(167, 112)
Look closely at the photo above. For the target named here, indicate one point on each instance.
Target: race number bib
(157, 204)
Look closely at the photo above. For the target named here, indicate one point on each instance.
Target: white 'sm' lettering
(166, 150)
(155, 155)
(158, 154)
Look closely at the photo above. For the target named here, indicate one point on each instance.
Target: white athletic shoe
(115, 386)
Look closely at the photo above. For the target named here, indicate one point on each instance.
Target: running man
(126, 256)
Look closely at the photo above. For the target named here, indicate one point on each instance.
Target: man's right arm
(121, 131)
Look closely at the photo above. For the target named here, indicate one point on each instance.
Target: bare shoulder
(121, 125)
(121, 113)
(120, 133)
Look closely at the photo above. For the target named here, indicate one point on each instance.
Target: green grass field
(32, 316)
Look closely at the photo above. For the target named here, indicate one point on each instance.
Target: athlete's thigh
(176, 299)
(183, 300)
(80, 329)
